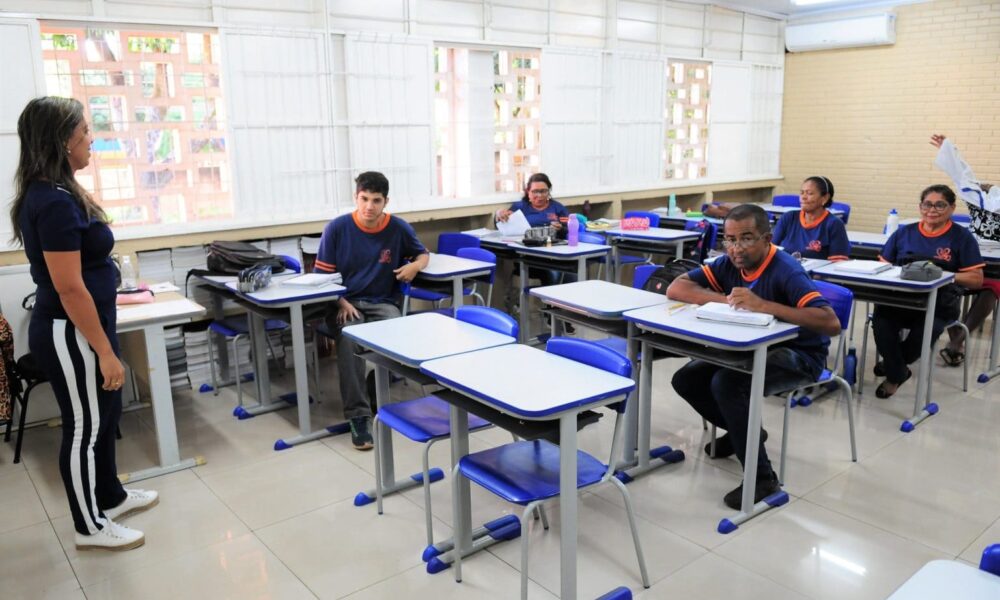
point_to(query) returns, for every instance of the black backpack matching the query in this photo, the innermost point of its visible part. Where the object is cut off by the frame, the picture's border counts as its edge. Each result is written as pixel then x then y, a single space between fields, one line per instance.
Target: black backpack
pixel 230 258
pixel 662 277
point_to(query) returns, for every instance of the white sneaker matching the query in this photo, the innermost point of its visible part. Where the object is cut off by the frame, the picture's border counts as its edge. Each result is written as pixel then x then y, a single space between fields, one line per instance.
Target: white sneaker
pixel 135 501
pixel 113 537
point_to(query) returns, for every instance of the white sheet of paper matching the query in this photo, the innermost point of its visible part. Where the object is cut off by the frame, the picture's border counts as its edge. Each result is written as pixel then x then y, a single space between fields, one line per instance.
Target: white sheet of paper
pixel 515 226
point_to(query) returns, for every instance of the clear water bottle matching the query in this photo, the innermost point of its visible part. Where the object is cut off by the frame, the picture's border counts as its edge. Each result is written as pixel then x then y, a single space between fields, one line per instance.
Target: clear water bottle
pixel 129 281
pixel 672 205
pixel 573 230
pixel 891 222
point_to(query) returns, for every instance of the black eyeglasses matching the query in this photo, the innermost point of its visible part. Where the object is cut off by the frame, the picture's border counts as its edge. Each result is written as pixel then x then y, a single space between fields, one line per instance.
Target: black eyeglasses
pixel 744 242
pixel 938 206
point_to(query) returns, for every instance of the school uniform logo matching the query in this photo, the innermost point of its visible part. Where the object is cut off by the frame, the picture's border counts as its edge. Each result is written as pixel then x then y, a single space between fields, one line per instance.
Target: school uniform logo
pixel 552 216
pixel 943 254
pixel 814 246
pixel 385 257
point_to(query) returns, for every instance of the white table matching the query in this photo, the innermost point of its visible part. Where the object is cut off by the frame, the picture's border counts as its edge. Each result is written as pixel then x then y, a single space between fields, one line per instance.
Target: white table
pixel 407 342
pixel 444 267
pixel 600 305
pixel 580 387
pixel 681 332
pixel 942 579
pixel 169 309
pixel 655 240
pixel 867 239
pixel 888 289
pixel 291 298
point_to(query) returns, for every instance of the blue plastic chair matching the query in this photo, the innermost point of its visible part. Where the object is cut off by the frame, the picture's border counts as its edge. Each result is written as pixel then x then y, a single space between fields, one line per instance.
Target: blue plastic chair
pixel 961 219
pixel 706 242
pixel 844 207
pixel 483 255
pixel 786 200
pixel 425 420
pixel 527 472
pixel 990 562
pixel 448 243
pixel 842 301
pixel 654 219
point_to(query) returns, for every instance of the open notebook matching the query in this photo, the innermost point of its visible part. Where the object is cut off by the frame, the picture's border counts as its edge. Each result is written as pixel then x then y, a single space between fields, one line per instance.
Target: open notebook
pixel 723 313
pixel 862 267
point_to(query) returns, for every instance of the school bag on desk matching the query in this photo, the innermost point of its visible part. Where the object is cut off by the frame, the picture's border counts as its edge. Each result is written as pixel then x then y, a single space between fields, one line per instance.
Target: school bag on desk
pixel 229 258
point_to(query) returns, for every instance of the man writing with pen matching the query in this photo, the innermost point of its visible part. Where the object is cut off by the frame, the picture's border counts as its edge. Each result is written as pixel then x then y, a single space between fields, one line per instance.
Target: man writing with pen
pixel 756 276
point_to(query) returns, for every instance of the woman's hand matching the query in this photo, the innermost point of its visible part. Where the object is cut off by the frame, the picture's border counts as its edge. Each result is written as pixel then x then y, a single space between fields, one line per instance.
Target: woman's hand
pixel 112 371
pixel 937 139
pixel 503 214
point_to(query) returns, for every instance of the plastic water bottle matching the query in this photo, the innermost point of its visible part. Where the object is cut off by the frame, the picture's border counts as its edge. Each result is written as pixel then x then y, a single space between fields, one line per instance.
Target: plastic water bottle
pixel 573 230
pixel 128 274
pixel 672 205
pixel 891 222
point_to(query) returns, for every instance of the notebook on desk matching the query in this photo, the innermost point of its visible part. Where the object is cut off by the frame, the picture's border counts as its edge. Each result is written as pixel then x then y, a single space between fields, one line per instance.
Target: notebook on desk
pixel 314 279
pixel 723 313
pixel 862 267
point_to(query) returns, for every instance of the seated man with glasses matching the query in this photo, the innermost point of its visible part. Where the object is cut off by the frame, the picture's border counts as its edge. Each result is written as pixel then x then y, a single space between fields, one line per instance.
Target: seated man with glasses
pixel 936 238
pixel 754 276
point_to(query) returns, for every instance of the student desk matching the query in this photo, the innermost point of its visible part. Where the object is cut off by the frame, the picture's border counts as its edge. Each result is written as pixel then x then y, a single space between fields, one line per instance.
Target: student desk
pixel 654 240
pixel 776 211
pixel 400 345
pixel 600 305
pixel 570 388
pixel 742 348
pixel 150 319
pixel 866 245
pixel 949 579
pixel 888 289
pixel 443 268
pixel 279 299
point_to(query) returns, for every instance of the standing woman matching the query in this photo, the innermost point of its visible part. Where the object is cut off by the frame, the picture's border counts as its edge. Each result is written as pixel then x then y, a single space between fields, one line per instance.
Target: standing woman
pixel 67 240
pixel 812 231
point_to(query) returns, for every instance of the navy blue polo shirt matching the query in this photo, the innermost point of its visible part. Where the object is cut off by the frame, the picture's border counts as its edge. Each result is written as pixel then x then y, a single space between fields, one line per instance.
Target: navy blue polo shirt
pixel 538 218
pixel 825 238
pixel 780 278
pixel 52 220
pixel 952 247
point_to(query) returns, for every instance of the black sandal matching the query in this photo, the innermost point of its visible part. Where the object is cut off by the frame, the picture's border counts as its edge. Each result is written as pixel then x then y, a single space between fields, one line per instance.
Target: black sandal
pixel 880 390
pixel 952 358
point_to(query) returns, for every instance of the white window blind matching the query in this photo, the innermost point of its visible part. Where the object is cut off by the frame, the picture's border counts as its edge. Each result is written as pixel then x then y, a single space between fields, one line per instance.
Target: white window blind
pixel 637 124
pixel 766 85
pixel 571 119
pixel 389 93
pixel 279 104
pixel 728 131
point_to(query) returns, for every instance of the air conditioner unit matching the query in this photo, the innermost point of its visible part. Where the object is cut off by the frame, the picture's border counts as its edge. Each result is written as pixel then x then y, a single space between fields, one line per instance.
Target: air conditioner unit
pixel 852 32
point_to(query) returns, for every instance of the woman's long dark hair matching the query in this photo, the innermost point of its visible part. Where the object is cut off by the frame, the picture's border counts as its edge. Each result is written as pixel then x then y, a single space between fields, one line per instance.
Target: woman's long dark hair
pixel 44 128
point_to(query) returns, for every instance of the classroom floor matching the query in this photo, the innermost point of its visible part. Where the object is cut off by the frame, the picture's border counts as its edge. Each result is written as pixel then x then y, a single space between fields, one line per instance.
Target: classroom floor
pixel 257 523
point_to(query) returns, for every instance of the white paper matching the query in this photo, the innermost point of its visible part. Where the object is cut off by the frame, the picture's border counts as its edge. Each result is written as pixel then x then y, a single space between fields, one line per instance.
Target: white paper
pixel 722 312
pixel 479 233
pixel 866 267
pixel 515 226
pixel 162 287
pixel 314 279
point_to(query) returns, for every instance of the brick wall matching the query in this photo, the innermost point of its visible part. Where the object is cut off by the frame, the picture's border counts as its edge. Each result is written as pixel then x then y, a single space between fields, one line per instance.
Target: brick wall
pixel 863 117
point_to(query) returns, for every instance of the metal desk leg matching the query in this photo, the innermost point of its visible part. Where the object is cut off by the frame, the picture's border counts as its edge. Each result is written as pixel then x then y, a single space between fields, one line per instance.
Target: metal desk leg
pixel 616 253
pixel 679 249
pixel 581 268
pixel 994 369
pixel 750 510
pixel 922 406
pixel 568 502
pixel 221 348
pixel 523 303
pixel 262 374
pixel 163 411
pixel 457 298
pixel 632 406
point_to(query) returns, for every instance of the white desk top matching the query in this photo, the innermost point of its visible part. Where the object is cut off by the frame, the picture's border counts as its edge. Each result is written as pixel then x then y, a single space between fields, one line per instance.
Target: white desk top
pixel 865 238
pixel 597 297
pixel 949 579
pixel 771 208
pixel 283 295
pixel 886 279
pixel 446 266
pixel 527 382
pixel 683 323
pixel 136 316
pixel 414 339
pixel 654 233
pixel 562 252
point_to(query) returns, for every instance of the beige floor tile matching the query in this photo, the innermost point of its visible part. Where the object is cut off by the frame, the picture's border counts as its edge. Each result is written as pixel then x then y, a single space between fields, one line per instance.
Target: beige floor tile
pixel 823 554
pixel 33 564
pixel 287 484
pixel 340 549
pixel 239 568
pixel 606 556
pixel 484 577
pixel 188 517
pixel 19 503
pixel 711 576
pixel 234 443
pixel 974 552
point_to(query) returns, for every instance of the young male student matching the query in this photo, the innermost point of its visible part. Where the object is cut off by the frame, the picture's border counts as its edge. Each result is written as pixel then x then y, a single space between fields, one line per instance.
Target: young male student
pixel 755 276
pixel 370 249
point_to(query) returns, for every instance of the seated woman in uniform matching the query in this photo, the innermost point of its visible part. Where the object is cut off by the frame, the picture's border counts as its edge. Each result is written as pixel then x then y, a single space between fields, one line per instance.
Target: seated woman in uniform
pixel 540 209
pixel 811 231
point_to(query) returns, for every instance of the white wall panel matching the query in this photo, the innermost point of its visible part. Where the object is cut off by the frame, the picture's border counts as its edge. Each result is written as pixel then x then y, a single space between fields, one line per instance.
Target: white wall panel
pixel 729 130
pixel 571 118
pixel 637 125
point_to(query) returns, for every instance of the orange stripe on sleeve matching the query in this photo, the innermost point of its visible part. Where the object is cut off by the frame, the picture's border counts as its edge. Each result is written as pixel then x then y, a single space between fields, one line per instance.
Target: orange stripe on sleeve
pixel 973 268
pixel 711 278
pixel 807 299
pixel 325 266
pixel 836 258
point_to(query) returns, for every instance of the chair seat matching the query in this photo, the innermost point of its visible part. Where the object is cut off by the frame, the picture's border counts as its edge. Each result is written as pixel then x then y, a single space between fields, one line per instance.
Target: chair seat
pixel 423 419
pixel 526 471
pixel 618 344
pixel 27 368
pixel 628 259
pixel 432 296
pixel 240 325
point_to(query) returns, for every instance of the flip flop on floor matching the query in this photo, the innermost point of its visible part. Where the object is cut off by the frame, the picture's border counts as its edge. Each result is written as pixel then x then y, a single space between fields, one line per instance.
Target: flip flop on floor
pixel 880 390
pixel 952 358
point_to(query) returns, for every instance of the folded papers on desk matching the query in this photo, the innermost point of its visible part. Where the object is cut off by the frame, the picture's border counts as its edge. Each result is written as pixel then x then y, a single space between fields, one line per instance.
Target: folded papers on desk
pixel 314 279
pixel 723 313
pixel 862 267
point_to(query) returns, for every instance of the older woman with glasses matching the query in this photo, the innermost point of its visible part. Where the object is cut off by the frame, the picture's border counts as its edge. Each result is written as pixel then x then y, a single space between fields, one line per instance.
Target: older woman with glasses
pixel 936 238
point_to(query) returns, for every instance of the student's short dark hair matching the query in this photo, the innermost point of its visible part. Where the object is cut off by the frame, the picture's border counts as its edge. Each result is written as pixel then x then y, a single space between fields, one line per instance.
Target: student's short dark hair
pixel 743 212
pixel 949 195
pixel 825 186
pixel 372 181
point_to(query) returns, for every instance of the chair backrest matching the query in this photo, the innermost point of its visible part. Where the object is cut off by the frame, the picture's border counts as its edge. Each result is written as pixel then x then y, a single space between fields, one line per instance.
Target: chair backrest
pixel 480 254
pixel 990 562
pixel 654 219
pixel 489 318
pixel 844 207
pixel 961 219
pixel 597 356
pixel 588 237
pixel 291 263
pixel 707 240
pixel 841 300
pixel 786 200
pixel 641 275
pixel 449 243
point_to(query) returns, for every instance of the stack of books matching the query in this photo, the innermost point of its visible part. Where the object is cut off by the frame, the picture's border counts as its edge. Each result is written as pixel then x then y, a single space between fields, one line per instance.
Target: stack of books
pixel 723 313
